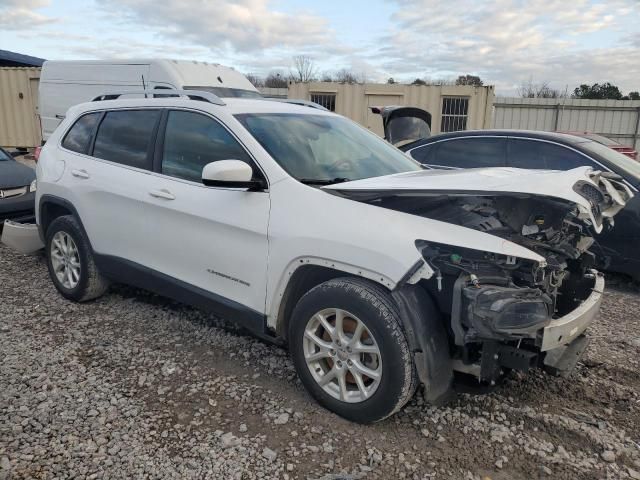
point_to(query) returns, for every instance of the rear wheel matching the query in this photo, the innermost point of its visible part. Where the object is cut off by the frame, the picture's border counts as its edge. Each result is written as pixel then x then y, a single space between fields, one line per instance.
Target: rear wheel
pixel 70 261
pixel 350 351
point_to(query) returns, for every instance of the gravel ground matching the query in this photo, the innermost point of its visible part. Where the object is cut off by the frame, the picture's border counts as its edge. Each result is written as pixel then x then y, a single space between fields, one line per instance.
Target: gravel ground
pixel 134 385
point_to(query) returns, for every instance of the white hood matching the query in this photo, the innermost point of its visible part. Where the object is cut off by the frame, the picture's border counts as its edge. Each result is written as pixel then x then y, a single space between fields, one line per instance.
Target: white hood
pixel 564 185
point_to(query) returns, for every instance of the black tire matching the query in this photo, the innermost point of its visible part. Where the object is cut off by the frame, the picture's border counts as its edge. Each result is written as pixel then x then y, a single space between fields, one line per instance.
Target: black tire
pixel 91 283
pixel 373 305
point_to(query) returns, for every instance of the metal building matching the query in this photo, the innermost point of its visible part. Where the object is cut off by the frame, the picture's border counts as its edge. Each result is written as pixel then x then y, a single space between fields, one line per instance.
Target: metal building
pixel 19 123
pixel 615 119
pixel 452 107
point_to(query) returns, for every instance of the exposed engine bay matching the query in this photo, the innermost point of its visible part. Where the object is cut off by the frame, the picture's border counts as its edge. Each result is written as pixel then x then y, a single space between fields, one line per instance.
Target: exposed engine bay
pixel 497 304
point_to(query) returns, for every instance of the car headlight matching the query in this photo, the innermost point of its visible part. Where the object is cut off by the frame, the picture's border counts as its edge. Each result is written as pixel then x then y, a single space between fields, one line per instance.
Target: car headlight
pixel 32 187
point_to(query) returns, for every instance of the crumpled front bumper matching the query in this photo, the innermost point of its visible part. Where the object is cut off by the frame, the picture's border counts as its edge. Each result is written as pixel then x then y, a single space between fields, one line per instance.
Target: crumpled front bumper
pixel 22 237
pixel 566 329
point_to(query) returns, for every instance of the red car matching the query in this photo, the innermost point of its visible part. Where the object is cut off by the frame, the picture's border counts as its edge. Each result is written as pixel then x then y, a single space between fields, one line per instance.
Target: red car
pixel 618 147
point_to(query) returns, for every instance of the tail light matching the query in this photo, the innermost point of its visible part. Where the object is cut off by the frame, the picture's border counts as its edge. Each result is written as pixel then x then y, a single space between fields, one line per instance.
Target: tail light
pixel 36 153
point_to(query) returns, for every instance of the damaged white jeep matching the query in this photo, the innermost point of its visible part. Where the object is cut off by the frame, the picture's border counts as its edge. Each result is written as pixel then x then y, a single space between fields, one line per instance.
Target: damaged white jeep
pixel 314 233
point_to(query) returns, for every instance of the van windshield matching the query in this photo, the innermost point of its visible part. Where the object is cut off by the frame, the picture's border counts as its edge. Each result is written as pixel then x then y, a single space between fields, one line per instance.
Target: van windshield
pixel 224 92
pixel 325 149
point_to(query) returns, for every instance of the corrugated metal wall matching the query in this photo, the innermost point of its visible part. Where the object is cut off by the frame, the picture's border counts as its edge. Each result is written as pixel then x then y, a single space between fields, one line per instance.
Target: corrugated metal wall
pixel 616 119
pixel 19 125
pixel 273 92
pixel 354 100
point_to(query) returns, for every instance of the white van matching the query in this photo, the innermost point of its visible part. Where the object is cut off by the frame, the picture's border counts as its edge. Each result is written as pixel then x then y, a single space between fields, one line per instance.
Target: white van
pixel 67 83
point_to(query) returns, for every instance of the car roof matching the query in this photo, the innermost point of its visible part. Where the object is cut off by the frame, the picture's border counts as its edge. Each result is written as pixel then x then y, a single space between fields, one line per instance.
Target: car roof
pixel 231 105
pixel 554 136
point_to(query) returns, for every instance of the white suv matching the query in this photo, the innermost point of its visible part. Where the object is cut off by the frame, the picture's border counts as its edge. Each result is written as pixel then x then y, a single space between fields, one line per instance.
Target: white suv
pixel 312 232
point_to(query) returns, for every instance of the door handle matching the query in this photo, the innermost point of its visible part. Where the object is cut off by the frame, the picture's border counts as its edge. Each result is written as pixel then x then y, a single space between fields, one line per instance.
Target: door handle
pixel 80 173
pixel 164 193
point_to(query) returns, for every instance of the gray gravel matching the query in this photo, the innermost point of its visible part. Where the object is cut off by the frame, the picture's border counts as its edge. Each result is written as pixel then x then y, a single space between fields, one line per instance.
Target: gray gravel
pixel 134 385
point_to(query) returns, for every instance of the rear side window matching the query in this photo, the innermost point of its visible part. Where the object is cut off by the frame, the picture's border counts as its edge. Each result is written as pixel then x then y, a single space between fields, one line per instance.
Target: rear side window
pixel 78 138
pixel 535 154
pixel 125 137
pixel 473 152
pixel 424 154
pixel 192 140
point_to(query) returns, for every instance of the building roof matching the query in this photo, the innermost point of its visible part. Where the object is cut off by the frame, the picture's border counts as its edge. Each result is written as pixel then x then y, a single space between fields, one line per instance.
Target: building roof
pixel 13 59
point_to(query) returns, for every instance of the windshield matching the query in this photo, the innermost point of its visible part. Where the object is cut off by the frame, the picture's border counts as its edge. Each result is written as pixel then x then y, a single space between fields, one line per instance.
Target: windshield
pixel 224 92
pixel 322 148
pixel 403 130
pixel 622 162
pixel 4 156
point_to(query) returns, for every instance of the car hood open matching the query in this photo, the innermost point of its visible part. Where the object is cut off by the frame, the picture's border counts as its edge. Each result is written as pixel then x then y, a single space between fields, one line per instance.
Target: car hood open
pixel 598 205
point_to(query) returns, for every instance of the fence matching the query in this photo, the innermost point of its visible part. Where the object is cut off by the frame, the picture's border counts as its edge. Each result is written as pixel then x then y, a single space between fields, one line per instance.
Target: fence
pixel 615 119
pixel 19 124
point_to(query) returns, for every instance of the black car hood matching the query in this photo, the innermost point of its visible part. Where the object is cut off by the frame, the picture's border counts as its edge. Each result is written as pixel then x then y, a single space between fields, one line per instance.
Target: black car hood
pixel 14 174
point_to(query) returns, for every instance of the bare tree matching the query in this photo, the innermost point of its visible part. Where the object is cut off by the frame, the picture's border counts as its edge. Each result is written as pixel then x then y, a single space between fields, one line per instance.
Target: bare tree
pixel 275 80
pixel 255 80
pixel 326 77
pixel 304 69
pixel 346 76
pixel 529 89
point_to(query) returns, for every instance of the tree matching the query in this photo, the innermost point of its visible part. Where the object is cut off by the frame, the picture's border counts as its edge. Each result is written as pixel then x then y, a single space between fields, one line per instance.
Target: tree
pixel 472 80
pixel 530 89
pixel 345 76
pixel 255 80
pixel 304 69
pixel 418 81
pixel 634 95
pixel 275 80
pixel 326 77
pixel 391 81
pixel 598 92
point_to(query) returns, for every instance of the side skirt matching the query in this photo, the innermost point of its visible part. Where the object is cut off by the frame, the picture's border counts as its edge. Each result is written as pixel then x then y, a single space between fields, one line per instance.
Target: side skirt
pixel 131 273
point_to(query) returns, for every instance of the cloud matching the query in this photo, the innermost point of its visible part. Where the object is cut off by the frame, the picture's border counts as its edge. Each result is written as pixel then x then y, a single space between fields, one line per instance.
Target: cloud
pixel 237 26
pixel 20 15
pixel 508 41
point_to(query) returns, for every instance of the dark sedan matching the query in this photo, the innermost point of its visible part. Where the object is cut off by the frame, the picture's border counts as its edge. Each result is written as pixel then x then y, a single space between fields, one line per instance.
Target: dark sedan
pixel 618 247
pixel 17 190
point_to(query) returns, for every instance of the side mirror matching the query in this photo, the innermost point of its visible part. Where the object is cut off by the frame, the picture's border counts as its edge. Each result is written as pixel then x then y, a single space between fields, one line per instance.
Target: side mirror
pixel 230 174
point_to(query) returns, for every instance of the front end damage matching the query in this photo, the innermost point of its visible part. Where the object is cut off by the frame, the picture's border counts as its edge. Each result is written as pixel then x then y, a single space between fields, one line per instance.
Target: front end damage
pixel 504 312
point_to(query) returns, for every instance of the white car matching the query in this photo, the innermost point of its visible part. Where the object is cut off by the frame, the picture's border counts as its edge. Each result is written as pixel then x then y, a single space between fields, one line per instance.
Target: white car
pixel 311 231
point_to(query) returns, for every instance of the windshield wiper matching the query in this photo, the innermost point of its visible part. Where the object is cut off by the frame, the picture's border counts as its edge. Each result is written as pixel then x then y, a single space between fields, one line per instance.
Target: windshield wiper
pixel 320 181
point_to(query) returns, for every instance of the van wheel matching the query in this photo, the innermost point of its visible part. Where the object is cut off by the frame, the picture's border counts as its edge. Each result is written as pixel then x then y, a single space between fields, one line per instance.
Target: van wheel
pixel 70 261
pixel 350 351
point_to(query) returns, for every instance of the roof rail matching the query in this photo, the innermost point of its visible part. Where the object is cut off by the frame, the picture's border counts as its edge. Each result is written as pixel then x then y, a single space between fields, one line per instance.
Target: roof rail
pixel 295 101
pixel 163 92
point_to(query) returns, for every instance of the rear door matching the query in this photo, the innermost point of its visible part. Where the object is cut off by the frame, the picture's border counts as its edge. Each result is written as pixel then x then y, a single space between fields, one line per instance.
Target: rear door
pixel 213 238
pixel 109 182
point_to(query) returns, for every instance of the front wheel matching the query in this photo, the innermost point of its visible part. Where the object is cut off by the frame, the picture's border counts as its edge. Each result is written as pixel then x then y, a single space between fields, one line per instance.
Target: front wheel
pixel 350 351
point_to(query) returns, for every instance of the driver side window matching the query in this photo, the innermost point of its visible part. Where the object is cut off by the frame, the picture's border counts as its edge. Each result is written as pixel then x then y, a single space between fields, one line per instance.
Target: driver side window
pixel 192 140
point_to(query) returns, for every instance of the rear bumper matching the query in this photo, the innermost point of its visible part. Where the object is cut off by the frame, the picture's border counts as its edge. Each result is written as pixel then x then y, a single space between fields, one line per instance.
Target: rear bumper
pixel 564 330
pixel 21 237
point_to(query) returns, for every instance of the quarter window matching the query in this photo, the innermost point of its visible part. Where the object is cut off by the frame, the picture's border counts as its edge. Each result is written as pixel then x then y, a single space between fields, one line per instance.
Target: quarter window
pixel 473 152
pixel 125 137
pixel 543 155
pixel 78 138
pixel 193 140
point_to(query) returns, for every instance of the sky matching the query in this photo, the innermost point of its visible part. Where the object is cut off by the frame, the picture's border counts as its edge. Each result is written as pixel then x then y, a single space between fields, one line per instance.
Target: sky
pixel 506 42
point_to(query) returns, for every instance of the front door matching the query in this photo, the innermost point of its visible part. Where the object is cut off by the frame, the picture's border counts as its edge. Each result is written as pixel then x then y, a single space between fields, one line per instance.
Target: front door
pixel 211 238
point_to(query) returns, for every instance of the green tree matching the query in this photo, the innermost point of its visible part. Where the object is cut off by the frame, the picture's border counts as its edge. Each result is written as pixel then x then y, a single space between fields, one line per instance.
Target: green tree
pixel 598 92
pixel 418 81
pixel 634 95
pixel 473 80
